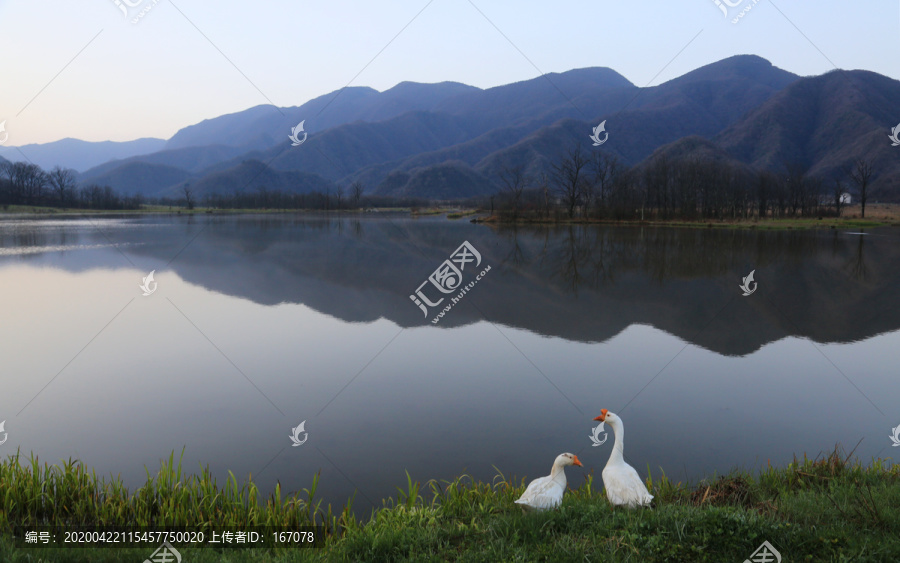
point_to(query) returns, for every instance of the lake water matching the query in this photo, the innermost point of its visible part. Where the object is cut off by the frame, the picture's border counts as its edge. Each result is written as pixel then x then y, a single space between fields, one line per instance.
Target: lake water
pixel 258 323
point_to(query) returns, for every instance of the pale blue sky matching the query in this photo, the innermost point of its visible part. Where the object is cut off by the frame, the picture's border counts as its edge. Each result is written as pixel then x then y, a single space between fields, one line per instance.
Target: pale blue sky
pixel 151 78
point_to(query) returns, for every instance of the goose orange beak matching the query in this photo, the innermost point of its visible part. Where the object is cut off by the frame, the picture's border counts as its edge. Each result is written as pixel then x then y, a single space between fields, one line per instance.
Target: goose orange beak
pixel 602 416
pixel 577 461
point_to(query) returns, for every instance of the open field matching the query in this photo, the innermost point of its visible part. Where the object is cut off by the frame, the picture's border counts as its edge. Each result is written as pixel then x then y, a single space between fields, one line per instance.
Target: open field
pixel 823 509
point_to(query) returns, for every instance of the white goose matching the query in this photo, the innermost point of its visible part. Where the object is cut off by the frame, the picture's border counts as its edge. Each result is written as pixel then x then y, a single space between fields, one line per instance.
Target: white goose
pixel 622 482
pixel 547 492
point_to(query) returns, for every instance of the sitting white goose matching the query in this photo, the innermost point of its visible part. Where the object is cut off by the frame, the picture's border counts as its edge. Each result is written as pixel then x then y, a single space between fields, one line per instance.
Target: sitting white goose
pixel 547 492
pixel 622 482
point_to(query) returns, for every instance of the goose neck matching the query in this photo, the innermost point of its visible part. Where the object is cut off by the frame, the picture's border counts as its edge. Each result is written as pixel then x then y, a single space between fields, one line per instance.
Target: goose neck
pixel 558 473
pixel 616 456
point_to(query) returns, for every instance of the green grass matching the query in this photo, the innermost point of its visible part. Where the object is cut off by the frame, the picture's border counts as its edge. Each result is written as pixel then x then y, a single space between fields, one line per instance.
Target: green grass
pixel 428 211
pixel 824 509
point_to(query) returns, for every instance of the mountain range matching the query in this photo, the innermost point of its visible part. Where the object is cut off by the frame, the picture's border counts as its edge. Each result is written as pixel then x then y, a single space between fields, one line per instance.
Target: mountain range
pixel 450 140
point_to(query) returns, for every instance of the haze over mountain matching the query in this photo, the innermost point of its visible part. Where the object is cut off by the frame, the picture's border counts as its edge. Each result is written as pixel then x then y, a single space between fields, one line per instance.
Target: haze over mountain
pixel 449 140
pixel 80 155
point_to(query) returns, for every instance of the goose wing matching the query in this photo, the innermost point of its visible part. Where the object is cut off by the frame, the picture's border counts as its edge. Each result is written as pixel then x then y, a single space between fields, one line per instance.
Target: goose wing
pixel 542 493
pixel 624 486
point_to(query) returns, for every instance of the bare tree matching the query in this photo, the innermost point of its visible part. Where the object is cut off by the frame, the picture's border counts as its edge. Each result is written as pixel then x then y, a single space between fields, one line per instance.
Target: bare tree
pixel 861 173
pixel 765 185
pixel 263 196
pixel 62 182
pixel 514 183
pixel 606 170
pixel 34 180
pixel 26 182
pixel 8 170
pixel 569 177
pixel 838 193
pixel 657 179
pixel 188 196
pixel 795 184
pixel 356 189
pixel 544 186
pixel 340 196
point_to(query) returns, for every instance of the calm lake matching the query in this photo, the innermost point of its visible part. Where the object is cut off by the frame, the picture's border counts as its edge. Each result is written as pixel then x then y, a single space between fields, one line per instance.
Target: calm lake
pixel 258 323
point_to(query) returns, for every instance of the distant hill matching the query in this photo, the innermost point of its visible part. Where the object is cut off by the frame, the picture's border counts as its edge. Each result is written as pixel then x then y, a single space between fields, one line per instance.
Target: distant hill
pixel 639 121
pixel 264 126
pixel 693 147
pixel 191 159
pixel 233 129
pixel 702 102
pixel 343 150
pixel 447 180
pixel 822 123
pixel 81 155
pixel 212 144
pixel 249 176
pixel 140 178
pixel 552 96
pixel 340 151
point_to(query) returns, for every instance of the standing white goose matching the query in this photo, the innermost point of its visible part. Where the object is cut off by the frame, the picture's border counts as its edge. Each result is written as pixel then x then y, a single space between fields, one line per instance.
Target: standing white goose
pixel 547 492
pixel 622 482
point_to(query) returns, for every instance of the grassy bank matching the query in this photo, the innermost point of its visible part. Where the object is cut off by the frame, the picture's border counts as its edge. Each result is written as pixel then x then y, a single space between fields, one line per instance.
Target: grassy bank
pixel 824 509
pixel 877 215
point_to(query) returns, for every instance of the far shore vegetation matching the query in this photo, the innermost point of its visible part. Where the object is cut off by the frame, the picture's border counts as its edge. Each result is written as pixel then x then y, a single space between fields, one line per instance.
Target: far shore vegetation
pixel 581 188
pixel 830 508
pixel 585 187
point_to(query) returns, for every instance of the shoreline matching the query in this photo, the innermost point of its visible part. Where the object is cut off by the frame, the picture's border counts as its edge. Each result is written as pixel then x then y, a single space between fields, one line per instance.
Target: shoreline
pixel 881 215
